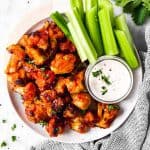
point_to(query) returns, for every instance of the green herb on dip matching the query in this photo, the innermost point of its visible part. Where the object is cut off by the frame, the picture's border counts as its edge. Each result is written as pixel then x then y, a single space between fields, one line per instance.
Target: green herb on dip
pixel 13 127
pixel 3 144
pixel 13 138
pixel 97 73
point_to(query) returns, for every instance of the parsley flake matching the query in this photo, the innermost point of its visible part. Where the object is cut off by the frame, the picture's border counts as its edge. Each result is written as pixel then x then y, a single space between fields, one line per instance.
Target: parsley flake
pixel 113 107
pixel 4 121
pixel 43 123
pixel 54 112
pixel 103 87
pixel 13 138
pixel 104 91
pixel 13 127
pixel 42 69
pixel 97 73
pixel 105 79
pixel 3 144
pixel 31 61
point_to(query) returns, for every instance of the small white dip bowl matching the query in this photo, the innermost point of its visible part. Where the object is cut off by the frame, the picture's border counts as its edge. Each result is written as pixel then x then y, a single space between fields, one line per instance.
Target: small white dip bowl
pixel 109 80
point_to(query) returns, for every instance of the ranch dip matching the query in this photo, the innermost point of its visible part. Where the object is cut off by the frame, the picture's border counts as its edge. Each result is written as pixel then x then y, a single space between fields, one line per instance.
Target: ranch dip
pixel 110 80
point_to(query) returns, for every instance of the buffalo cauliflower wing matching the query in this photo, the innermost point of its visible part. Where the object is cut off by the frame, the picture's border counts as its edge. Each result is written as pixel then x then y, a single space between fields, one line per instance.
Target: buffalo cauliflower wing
pixel 63 63
pixel 75 84
pixel 81 100
pixel 107 113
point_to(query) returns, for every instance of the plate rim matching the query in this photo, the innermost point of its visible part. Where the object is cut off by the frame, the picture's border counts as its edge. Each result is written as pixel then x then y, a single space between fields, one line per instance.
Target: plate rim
pixel 11 36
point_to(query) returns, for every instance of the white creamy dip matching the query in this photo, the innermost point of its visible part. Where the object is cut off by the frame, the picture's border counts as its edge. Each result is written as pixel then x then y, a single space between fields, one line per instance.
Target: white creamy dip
pixel 110 80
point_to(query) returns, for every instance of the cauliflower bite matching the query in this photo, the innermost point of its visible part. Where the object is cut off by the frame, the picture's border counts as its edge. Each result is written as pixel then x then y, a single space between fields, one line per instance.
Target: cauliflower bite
pixel 29 92
pixel 37 110
pixel 48 95
pixel 39 39
pixel 13 65
pixel 55 127
pixel 63 63
pixel 16 59
pixel 24 41
pixel 67 46
pixel 43 79
pixel 90 119
pixel 60 85
pixel 70 111
pixel 53 44
pixel 58 104
pixel 100 108
pixel 75 85
pixel 110 112
pixel 17 81
pixel 36 39
pixel 35 55
pixel 17 50
pixel 55 32
pixel 43 42
pixel 78 124
pixel 81 100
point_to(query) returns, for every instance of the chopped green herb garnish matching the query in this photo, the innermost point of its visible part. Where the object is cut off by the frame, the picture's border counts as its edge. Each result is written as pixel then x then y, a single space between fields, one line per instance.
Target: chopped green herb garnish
pixel 56 130
pixel 83 112
pixel 31 61
pixel 104 91
pixel 13 138
pixel 3 144
pixel 97 73
pixel 105 79
pixel 13 127
pixel 42 69
pixel 46 75
pixel 43 123
pixel 54 112
pixel 103 87
pixel 4 121
pixel 139 9
pixel 113 107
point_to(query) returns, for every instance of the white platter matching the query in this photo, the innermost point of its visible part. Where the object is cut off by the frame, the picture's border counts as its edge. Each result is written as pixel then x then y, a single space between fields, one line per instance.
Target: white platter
pixel 127 106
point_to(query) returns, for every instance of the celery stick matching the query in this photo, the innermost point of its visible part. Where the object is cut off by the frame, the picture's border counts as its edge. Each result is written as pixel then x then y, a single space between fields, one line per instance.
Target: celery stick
pixel 92 24
pixel 107 4
pixel 89 4
pixel 84 5
pixel 75 19
pixel 60 17
pixel 120 23
pixel 77 42
pixel 79 5
pixel 109 41
pixel 126 49
pixel 61 23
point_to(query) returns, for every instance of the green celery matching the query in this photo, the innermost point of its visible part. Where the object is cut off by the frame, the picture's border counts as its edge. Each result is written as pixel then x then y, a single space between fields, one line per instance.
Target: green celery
pixel 92 24
pixel 77 42
pixel 109 42
pixel 89 4
pixel 126 49
pixel 61 22
pixel 61 17
pixel 79 5
pixel 108 5
pixel 76 20
pixel 121 24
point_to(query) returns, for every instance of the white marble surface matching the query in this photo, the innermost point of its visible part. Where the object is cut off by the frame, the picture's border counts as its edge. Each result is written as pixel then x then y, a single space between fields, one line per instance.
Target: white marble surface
pixel 11 11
